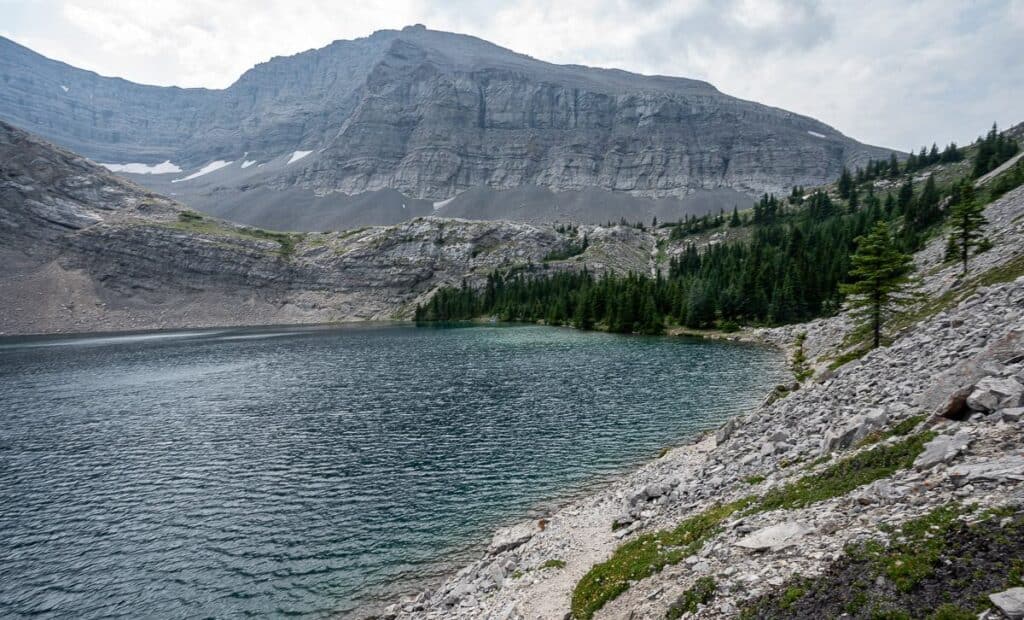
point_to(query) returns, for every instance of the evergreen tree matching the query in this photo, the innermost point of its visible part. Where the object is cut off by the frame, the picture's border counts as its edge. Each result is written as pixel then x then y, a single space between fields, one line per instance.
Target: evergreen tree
pixel 967 217
pixel 734 221
pixel 845 184
pixel 894 166
pixel 879 280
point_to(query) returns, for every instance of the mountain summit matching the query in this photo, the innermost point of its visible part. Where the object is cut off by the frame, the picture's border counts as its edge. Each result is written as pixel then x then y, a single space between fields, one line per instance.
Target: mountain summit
pixel 416 117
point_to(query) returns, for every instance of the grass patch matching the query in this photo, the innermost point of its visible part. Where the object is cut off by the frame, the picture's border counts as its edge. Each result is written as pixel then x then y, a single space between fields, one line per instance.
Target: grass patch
pixel 570 250
pixel 647 555
pixel 699 594
pixel 899 430
pixel 553 564
pixel 846 475
pixel 937 566
pixel 757 479
pixel 650 553
pixel 918 546
pixel 1007 272
pixel 193 222
pixel 848 356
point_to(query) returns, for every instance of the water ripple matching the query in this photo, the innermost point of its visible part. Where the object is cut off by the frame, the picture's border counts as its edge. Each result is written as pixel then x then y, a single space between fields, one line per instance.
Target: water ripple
pixel 315 472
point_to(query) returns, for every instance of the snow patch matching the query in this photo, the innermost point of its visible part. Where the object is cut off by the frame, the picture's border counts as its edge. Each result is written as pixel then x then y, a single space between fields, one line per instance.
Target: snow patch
pixel 297 155
pixel 165 168
pixel 66 89
pixel 816 134
pixel 207 169
pixel 443 203
pixel 248 162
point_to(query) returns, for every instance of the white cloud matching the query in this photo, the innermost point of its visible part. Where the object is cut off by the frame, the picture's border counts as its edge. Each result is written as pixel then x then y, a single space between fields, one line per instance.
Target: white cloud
pixel 893 73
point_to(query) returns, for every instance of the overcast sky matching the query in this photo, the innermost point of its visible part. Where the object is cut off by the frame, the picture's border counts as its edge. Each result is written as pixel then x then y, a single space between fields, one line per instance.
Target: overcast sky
pixel 896 73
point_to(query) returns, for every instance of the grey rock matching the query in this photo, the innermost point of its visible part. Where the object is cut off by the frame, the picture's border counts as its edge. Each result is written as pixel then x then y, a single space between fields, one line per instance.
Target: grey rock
pixel 775 537
pixel 1010 602
pixel 1012 414
pixel 992 393
pixel 511 537
pixel 1009 467
pixel 942 449
pixel 725 431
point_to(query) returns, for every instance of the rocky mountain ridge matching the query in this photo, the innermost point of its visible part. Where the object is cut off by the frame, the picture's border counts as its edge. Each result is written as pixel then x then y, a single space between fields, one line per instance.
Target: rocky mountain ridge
pixel 88 251
pixel 429 115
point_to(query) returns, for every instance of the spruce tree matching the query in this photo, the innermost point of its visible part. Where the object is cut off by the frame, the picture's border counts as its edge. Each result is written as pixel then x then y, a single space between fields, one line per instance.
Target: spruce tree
pixel 735 220
pixel 880 274
pixel 966 218
pixel 845 184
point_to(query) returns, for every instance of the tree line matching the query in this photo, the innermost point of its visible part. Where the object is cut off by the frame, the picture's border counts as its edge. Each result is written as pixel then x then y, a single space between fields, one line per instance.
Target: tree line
pixel 805 256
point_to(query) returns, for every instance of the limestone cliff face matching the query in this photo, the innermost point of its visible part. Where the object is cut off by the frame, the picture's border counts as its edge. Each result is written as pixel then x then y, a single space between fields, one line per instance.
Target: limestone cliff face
pixel 86 251
pixel 431 114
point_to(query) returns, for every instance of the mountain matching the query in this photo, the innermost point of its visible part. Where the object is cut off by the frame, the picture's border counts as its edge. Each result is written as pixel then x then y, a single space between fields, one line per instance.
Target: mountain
pixel 421 117
pixel 85 250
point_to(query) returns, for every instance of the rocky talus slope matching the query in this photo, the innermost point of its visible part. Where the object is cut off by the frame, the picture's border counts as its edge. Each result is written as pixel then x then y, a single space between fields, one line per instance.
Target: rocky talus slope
pixel 894 484
pixel 430 115
pixel 86 251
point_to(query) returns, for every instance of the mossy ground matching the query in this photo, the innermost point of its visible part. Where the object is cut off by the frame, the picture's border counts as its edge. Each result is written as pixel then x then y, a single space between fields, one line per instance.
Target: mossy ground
pixel 650 553
pixel 646 555
pixel 193 222
pixel 691 600
pixel 935 567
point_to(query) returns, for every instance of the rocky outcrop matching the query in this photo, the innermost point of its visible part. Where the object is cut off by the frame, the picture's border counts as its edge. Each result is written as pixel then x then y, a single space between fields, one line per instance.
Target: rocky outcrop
pixel 86 251
pixel 431 115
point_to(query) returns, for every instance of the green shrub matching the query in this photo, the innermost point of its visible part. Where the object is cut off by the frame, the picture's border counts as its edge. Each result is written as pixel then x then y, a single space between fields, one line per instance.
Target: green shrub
pixel 645 556
pixel 699 594
pixel 846 475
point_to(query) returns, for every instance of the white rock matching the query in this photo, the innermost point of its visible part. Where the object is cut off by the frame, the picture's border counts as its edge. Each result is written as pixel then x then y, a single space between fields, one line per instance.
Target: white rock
pixel 993 393
pixel 775 537
pixel 511 537
pixel 1010 602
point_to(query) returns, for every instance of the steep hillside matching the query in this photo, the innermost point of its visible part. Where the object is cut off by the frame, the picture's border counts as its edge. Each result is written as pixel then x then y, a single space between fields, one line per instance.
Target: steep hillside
pixel 86 251
pixel 430 115
pixel 890 487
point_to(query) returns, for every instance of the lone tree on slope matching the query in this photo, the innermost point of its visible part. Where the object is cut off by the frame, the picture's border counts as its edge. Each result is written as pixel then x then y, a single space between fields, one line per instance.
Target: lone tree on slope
pixel 967 219
pixel 880 275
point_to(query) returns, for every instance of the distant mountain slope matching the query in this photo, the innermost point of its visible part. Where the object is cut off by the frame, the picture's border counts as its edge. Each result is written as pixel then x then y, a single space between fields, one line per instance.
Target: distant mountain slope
pixel 430 115
pixel 84 250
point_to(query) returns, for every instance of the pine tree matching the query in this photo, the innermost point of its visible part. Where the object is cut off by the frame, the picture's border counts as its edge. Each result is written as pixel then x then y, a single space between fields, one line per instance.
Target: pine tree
pixel 894 166
pixel 734 221
pixel 845 184
pixel 967 217
pixel 880 277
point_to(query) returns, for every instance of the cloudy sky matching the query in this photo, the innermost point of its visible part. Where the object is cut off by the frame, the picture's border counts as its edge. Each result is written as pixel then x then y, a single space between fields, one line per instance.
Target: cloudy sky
pixel 895 73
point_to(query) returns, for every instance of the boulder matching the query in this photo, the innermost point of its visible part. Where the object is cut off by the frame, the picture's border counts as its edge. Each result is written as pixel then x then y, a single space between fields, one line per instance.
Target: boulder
pixel 511 537
pixel 1012 414
pixel 955 405
pixel 723 433
pixel 1002 468
pixel 1010 602
pixel 774 537
pixel 859 427
pixel 992 393
pixel 942 449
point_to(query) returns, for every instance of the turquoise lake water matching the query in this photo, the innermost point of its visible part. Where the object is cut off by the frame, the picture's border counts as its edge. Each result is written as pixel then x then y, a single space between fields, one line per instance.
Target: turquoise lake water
pixel 317 472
